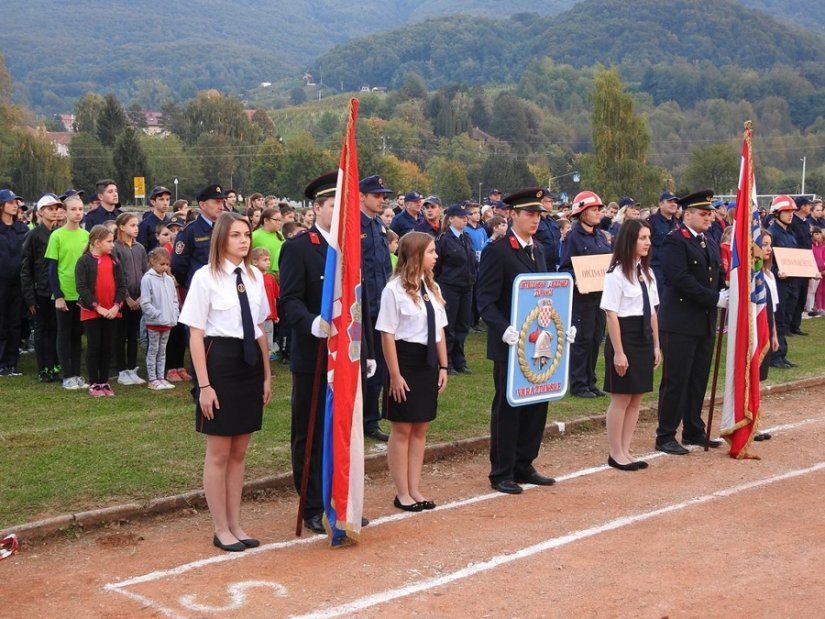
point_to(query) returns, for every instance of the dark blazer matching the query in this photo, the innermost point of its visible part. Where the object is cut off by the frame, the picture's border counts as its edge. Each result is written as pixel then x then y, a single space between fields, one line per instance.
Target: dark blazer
pixel 34 269
pixel 301 266
pixel 501 261
pixel 85 273
pixel 191 250
pixel 693 277
pixel 456 265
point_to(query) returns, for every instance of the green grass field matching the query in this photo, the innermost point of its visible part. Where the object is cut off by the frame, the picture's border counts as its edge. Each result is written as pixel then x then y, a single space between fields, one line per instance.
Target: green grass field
pixel 63 451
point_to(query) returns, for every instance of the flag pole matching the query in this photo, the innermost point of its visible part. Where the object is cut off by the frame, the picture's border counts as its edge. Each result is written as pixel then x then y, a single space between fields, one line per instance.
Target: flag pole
pixel 723 316
pixel 313 407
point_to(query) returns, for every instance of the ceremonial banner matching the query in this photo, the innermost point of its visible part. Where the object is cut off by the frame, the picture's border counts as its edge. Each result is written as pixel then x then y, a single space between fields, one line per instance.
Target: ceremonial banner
pixel 796 262
pixel 343 462
pixel 748 336
pixel 541 311
pixel 590 272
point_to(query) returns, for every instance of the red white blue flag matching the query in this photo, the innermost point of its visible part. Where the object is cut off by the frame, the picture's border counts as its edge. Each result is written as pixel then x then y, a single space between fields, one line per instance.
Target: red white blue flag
pixel 343 460
pixel 748 336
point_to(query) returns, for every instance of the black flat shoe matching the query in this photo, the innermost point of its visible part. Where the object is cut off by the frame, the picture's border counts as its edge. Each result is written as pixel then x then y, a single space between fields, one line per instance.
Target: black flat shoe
pixel 762 436
pixel 633 466
pixel 236 547
pixel 426 504
pixel 507 486
pixel 641 464
pixel 315 524
pixel 700 442
pixel 597 392
pixel 584 394
pixel 412 507
pixel 250 542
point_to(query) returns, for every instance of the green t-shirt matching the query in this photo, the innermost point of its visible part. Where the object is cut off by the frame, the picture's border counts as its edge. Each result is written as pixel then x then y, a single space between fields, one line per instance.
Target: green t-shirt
pixel 393 261
pixel 66 246
pixel 269 240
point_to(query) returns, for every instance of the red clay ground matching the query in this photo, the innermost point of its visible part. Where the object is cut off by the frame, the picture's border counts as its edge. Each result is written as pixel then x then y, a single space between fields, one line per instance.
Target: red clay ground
pixel 700 535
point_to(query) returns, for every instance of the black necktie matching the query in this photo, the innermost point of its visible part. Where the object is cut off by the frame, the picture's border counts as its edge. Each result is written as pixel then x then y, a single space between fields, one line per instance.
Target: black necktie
pixel 647 331
pixel 529 250
pixel 251 351
pixel 432 357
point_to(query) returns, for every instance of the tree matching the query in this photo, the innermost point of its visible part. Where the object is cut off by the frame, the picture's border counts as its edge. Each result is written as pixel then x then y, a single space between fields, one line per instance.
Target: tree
pixel 620 141
pixel 449 179
pixel 129 162
pixel 715 167
pixel 507 173
pixel 302 161
pixel 36 167
pixel 86 112
pixel 266 166
pixel 216 155
pixel 264 122
pixel 414 87
pixel 166 160
pixel 510 122
pixel 297 96
pixel 110 121
pixel 90 161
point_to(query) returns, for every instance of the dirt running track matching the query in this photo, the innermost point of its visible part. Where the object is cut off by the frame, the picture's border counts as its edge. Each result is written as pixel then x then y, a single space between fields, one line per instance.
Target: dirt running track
pixel 694 536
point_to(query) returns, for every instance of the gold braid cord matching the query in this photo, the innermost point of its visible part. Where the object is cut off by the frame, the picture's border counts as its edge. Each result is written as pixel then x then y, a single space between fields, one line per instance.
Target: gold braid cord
pixel 524 364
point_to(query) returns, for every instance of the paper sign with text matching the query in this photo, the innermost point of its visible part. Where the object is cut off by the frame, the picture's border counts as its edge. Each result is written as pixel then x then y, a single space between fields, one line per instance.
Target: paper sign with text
pixel 590 272
pixel 796 262
pixel 541 311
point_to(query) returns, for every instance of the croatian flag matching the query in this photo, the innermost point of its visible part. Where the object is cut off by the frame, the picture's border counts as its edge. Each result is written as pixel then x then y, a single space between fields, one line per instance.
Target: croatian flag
pixel 748 337
pixel 343 461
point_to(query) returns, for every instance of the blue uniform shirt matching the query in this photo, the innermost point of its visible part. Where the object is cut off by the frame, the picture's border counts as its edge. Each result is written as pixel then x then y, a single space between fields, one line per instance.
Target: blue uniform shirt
pixel 376 267
pixel 661 228
pixel 801 229
pixel 403 222
pixel 99 216
pixel 781 236
pixel 191 250
pixel 147 230
pixel 549 236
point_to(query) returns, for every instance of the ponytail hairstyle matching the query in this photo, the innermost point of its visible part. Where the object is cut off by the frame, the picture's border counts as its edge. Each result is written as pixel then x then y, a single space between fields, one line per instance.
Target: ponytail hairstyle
pixel 409 269
pixel 122 220
pixel 97 233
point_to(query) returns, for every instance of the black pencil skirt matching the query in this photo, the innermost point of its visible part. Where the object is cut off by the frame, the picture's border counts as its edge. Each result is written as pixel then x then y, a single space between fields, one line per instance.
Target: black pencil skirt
pixel 238 386
pixel 639 352
pixel 422 398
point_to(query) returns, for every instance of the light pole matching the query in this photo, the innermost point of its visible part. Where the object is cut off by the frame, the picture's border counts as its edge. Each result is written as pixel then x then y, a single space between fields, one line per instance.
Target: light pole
pixel 176 189
pixel 479 193
pixel 575 174
pixel 804 161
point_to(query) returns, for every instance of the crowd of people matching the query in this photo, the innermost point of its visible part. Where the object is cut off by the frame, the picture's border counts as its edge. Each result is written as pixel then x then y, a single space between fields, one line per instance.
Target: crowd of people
pixel 242 288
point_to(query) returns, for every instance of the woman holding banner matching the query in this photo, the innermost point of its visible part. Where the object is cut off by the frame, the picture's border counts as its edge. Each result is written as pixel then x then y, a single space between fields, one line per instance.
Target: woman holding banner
pixel 632 350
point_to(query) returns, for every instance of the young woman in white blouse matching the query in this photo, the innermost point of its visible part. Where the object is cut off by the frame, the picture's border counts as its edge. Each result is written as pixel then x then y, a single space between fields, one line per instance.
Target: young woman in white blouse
pixel 225 309
pixel 412 320
pixel 632 350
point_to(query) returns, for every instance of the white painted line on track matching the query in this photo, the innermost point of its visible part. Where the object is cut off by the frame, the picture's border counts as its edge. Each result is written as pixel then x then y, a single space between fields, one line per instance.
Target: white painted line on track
pixel 120 587
pixel 386 596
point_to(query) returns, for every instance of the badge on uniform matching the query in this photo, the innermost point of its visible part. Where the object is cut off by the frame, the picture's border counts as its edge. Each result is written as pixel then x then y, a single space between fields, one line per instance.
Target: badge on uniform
pixel 514 242
pixel 241 288
pixel 542 309
pixel 313 238
pixel 179 247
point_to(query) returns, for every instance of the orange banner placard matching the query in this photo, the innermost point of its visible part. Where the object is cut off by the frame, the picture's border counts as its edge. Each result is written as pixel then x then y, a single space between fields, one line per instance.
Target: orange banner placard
pixel 589 271
pixel 796 262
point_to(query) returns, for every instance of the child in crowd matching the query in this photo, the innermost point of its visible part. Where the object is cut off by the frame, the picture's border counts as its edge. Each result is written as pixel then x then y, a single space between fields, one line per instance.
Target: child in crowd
pixel 497 226
pixel 818 247
pixel 101 286
pixel 772 309
pixel 159 304
pixel 66 245
pixel 262 259
pixel 132 258
pixel 291 229
pixel 392 241
pixel 164 236
pixel 176 347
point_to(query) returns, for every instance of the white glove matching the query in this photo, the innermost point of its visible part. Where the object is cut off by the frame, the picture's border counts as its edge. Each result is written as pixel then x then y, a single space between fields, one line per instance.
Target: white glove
pixel 317 330
pixel 571 334
pixel 510 336
pixel 724 298
pixel 372 366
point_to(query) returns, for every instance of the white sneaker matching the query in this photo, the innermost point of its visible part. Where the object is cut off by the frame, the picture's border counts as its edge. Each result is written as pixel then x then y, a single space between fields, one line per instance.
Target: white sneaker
pixel 155 385
pixel 137 379
pixel 166 384
pixel 125 377
pixel 70 383
pixel 81 382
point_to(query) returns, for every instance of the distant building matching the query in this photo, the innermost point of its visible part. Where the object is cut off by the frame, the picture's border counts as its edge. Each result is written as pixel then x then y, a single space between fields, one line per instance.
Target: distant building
pixel 60 140
pixel 67 120
pixel 265 84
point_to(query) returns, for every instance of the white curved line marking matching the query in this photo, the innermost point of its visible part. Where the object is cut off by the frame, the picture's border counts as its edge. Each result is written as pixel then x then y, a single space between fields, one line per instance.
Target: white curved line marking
pixel 237 594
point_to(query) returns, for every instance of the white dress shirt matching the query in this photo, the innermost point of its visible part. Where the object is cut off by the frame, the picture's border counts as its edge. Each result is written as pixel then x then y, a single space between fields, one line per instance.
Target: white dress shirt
pixel 407 321
pixel 624 296
pixel 212 302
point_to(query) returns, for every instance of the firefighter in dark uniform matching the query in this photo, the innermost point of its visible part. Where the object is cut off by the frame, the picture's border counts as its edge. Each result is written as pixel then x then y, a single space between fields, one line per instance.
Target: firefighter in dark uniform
pixel 694 280
pixel 455 272
pixel 302 264
pixel 376 268
pixel 801 229
pixel 549 233
pixel 515 433
pixel 431 224
pixel 410 216
pixel 787 288
pixel 663 222
pixel 192 243
pixel 585 238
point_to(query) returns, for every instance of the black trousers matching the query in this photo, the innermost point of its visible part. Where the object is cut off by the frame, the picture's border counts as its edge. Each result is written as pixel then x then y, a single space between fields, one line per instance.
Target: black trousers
pixel 685 374
pixel 590 321
pixel 126 345
pixel 374 385
pixel 799 308
pixel 99 334
pixel 45 333
pixel 69 332
pixel 11 315
pixel 176 347
pixel 302 387
pixel 788 291
pixel 459 306
pixel 515 432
